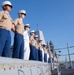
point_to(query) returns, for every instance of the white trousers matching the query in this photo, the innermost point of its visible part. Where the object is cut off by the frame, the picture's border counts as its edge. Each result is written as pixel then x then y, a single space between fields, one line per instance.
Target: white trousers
pixel 42 55
pixel 26 51
pixel 47 57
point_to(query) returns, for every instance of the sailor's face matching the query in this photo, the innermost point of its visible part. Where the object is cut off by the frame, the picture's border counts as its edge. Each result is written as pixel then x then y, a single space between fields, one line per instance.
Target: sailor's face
pixel 8 8
pixel 27 28
pixel 22 16
pixel 44 46
pixel 36 38
pixel 40 41
pixel 32 34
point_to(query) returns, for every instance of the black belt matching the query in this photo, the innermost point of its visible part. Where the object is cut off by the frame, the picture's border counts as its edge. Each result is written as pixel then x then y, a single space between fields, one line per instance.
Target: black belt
pixel 2 27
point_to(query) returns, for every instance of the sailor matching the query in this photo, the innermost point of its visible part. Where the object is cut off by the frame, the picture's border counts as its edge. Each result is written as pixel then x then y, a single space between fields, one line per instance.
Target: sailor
pixel 5 27
pixel 26 42
pixel 37 46
pixel 41 51
pixel 45 52
pixel 33 53
pixel 32 34
pixel 32 45
pixel 18 50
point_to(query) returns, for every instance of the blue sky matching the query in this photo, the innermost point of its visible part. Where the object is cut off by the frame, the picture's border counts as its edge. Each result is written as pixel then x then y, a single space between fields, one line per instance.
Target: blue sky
pixel 55 19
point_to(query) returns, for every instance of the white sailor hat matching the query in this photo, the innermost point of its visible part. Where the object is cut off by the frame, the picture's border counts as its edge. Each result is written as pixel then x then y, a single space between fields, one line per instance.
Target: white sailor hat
pixel 44 44
pixel 41 39
pixel 27 25
pixel 36 36
pixel 22 12
pixel 32 31
pixel 6 3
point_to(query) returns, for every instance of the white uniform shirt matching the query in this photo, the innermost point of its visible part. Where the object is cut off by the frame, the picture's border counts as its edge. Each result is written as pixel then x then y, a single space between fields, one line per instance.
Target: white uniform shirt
pixel 26 46
pixel 26 37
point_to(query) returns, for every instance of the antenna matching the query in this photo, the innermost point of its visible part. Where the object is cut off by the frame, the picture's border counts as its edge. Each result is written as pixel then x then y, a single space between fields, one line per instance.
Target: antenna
pixel 37 27
pixel 38 30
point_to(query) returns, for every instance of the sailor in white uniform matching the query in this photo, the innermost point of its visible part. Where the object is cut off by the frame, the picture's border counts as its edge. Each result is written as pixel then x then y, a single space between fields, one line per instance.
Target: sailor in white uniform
pixel 26 42
pixel 47 56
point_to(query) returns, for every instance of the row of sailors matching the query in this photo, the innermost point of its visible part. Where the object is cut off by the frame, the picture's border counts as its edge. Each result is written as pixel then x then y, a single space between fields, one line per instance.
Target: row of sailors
pixel 37 49
pixel 23 47
pixel 33 48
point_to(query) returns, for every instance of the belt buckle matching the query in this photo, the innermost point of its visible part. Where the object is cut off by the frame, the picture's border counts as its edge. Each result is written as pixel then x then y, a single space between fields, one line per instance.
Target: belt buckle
pixel 3 27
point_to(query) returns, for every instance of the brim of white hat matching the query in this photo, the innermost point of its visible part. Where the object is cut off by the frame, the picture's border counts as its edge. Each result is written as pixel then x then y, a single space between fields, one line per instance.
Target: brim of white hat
pixel 27 26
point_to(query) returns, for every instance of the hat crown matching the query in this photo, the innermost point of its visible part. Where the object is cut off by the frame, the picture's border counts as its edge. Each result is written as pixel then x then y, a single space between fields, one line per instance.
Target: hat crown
pixel 32 31
pixel 22 11
pixel 27 24
pixel 40 39
pixel 6 3
pixel 36 36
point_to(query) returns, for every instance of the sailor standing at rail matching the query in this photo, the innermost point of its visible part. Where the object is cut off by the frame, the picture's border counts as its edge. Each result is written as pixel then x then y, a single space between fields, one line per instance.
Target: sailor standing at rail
pixel 5 28
pixel 33 50
pixel 40 51
pixel 26 42
pixel 37 46
pixel 18 50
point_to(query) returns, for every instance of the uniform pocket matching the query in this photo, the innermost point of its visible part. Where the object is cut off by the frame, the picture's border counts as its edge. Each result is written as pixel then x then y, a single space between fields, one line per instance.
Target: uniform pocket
pixel 5 16
pixel 19 23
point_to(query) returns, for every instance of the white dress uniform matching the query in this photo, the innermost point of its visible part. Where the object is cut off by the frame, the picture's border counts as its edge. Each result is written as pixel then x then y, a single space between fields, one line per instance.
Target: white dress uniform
pixel 42 55
pixel 47 57
pixel 26 46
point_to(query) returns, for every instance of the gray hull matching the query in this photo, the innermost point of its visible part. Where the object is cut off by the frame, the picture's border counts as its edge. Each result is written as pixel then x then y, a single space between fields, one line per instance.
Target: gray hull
pixel 9 66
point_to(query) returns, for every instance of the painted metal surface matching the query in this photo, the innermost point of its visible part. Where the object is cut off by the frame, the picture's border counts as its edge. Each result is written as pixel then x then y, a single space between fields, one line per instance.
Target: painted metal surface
pixel 40 36
pixel 9 66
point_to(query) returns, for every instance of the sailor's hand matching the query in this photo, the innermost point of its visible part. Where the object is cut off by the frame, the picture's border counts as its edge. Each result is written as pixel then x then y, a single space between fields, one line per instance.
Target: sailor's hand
pixel 13 27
